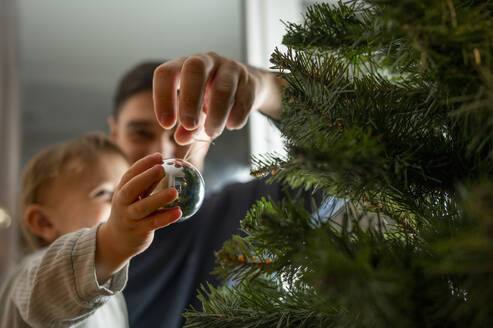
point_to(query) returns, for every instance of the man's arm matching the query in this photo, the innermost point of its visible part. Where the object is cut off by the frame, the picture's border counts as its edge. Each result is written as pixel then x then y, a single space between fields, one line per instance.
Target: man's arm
pixel 215 92
pixel 268 98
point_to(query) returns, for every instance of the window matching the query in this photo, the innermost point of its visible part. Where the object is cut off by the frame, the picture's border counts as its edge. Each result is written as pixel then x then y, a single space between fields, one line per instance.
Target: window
pixel 264 32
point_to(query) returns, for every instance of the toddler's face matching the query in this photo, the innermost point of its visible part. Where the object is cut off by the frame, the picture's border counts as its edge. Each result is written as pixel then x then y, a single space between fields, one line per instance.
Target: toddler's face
pixel 82 198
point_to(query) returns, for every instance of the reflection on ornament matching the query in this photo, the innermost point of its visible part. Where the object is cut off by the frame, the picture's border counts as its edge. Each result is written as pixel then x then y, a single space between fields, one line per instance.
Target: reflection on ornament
pixel 188 181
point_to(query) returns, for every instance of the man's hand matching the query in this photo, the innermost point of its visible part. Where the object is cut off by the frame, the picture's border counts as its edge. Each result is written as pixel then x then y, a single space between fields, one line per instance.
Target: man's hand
pixel 134 218
pixel 215 92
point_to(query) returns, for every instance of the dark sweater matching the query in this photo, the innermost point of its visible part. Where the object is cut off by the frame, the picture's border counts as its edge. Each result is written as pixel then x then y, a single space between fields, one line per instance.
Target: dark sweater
pixel 163 281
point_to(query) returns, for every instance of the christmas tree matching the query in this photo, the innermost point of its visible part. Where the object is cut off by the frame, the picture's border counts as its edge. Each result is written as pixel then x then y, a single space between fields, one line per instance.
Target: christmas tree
pixel 388 108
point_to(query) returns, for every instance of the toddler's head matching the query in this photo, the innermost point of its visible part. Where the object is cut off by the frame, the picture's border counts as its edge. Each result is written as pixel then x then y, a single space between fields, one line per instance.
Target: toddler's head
pixel 69 186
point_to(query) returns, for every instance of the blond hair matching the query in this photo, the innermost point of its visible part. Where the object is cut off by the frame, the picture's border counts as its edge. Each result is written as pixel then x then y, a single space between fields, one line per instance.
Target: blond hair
pixel 48 164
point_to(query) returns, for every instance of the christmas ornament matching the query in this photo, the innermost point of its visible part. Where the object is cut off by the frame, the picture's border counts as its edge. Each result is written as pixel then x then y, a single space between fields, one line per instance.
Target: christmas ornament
pixel 188 181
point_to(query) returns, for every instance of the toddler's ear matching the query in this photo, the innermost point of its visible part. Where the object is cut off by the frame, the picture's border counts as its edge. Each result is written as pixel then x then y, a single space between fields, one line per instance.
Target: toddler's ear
pixel 40 224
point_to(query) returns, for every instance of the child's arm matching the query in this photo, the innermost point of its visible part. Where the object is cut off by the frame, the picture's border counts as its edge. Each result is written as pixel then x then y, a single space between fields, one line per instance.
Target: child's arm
pixel 130 228
pixel 80 271
pixel 57 287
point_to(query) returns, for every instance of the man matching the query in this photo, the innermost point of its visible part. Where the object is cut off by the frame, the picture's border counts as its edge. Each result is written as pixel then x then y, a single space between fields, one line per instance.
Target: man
pixel 215 92
pixel 233 90
pixel 133 124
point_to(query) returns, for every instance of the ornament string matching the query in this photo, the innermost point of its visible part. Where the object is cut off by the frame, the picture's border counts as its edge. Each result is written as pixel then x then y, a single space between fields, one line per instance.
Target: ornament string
pixel 203 141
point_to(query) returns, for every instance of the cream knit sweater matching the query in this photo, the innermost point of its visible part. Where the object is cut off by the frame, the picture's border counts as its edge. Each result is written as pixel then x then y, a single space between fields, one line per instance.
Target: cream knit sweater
pixel 57 287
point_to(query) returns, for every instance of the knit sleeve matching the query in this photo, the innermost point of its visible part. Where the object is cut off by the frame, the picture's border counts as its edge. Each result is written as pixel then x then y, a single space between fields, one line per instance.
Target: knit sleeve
pixel 59 287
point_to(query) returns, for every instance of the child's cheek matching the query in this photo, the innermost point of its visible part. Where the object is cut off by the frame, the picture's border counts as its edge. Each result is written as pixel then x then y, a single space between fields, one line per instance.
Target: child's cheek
pixel 102 214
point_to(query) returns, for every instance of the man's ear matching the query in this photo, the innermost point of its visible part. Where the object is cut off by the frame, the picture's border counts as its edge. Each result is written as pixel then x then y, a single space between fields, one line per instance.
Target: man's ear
pixel 39 223
pixel 113 128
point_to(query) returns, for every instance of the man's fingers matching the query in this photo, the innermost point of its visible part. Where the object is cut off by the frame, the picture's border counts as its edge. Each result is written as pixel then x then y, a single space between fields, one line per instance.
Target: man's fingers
pixel 186 137
pixel 221 83
pixel 195 73
pixel 140 166
pixel 245 96
pixel 161 219
pixel 139 185
pixel 165 86
pixel 152 203
pixel 221 96
pixel 183 136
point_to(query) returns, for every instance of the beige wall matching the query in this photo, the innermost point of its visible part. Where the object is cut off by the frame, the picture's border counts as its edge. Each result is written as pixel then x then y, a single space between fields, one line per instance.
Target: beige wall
pixel 73 53
pixel 9 132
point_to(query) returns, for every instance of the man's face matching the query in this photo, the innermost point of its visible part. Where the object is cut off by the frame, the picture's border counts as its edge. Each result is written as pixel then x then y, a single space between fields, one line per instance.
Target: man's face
pixel 138 133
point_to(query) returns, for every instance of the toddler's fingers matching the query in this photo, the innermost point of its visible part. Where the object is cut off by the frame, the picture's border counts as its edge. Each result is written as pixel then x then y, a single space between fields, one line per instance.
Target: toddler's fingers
pixel 139 184
pixel 148 205
pixel 140 166
pixel 161 219
pixel 149 190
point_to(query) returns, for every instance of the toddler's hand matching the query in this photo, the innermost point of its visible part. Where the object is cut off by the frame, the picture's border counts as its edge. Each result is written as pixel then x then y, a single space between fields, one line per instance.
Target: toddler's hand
pixel 134 217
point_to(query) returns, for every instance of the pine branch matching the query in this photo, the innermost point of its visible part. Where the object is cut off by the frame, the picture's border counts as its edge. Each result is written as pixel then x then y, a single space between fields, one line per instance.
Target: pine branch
pixel 388 106
pixel 252 306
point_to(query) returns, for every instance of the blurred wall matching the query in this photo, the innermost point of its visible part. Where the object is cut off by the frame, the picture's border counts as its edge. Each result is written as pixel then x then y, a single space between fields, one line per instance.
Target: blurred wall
pixel 73 53
pixel 9 134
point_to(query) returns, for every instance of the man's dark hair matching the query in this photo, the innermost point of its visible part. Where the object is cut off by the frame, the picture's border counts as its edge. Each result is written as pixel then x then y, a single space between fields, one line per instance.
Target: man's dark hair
pixel 137 79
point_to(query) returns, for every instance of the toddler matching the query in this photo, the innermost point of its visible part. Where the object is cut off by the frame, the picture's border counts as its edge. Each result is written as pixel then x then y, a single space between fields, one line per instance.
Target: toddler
pixel 85 227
